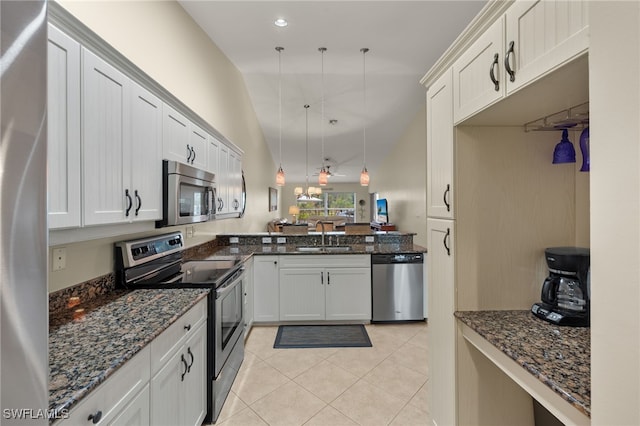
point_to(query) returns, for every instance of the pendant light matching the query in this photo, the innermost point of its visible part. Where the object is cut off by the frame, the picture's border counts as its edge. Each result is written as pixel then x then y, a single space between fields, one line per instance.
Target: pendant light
pixel 310 193
pixel 323 177
pixel 364 175
pixel 280 174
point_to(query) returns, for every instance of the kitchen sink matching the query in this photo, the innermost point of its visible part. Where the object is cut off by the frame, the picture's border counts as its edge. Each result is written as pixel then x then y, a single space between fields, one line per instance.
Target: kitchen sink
pixel 316 249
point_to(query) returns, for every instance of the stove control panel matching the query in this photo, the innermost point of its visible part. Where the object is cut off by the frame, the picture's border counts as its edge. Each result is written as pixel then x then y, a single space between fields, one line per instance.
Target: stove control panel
pixel 143 250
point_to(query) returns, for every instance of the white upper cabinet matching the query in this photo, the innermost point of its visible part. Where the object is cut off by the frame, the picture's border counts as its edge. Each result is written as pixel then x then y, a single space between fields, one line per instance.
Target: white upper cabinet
pixel 63 130
pixel 440 189
pixel 530 40
pixel 223 180
pixel 198 144
pixel 183 141
pixel 542 35
pixel 175 136
pixel 106 93
pixel 478 74
pixel 146 154
pixel 235 181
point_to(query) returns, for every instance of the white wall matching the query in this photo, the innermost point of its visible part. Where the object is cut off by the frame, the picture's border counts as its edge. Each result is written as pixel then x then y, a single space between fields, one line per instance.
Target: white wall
pixel 402 180
pixel 162 39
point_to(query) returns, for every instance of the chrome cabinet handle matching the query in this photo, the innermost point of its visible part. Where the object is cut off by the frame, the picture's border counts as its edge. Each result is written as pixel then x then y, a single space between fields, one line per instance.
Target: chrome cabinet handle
pixel 187 327
pixel 193 151
pixel 328 278
pixel 507 64
pixel 189 151
pixel 321 278
pixel 445 197
pixel 492 76
pixel 444 241
pixel 130 202
pixel 139 200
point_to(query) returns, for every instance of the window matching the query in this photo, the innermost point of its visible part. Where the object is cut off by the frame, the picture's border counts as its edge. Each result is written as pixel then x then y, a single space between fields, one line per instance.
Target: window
pixel 331 204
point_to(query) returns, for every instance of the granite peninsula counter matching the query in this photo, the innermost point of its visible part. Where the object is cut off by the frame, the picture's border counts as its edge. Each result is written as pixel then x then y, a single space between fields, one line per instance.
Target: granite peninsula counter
pixel 90 341
pixel 553 358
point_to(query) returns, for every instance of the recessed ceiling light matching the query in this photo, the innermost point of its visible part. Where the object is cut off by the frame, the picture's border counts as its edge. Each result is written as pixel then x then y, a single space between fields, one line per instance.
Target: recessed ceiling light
pixel 281 22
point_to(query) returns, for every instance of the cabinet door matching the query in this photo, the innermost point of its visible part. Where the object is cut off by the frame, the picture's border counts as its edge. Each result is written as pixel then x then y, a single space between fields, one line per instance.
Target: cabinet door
pixel 442 326
pixel 63 130
pixel 223 180
pixel 146 154
pixel 106 94
pixel 440 188
pixel 165 392
pixel 136 413
pixel 199 143
pixel 214 158
pixel 175 136
pixel 266 290
pixel 302 294
pixel 478 75
pixel 348 294
pixel 194 394
pixel 542 35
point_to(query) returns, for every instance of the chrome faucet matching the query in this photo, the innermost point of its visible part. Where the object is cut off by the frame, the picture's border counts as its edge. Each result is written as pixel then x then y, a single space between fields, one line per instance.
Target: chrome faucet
pixel 323 232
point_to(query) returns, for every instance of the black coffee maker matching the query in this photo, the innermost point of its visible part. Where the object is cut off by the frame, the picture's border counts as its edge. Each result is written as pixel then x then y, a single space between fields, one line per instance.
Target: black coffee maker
pixel 566 291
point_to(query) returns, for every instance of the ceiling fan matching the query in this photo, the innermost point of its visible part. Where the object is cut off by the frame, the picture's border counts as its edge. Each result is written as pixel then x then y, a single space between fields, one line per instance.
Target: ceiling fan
pixel 329 172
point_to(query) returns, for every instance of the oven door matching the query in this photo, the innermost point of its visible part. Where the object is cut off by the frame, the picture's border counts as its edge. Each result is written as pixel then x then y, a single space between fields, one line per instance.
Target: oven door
pixel 229 322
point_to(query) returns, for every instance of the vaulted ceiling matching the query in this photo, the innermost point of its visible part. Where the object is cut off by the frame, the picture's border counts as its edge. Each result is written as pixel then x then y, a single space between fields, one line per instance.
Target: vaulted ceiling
pixel 405 38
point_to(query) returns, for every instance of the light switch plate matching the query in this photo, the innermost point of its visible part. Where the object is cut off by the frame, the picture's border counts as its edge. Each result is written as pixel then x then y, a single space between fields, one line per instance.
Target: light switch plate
pixel 369 239
pixel 281 240
pixel 266 240
pixel 234 240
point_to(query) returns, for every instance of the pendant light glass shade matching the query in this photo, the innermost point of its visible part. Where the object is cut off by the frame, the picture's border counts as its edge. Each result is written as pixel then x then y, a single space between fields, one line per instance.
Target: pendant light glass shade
pixel 364 175
pixel 280 180
pixel 323 178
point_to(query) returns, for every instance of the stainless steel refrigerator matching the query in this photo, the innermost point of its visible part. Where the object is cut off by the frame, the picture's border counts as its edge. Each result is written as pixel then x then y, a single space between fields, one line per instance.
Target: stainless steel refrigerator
pixel 23 223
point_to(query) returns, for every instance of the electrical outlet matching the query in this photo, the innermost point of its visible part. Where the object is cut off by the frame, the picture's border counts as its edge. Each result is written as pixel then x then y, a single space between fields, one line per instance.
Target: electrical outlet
pixel 281 240
pixel 369 239
pixel 266 240
pixel 59 259
pixel 234 240
pixel 189 231
pixel 193 231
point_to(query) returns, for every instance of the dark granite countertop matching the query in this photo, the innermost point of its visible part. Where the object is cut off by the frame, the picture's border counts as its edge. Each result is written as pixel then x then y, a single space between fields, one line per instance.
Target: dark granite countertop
pixel 265 249
pixel 557 356
pixel 90 341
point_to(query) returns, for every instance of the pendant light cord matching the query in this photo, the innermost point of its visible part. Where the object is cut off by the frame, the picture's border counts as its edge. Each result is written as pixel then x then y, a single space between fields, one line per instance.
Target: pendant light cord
pixel 280 49
pixel 322 50
pixel 306 157
pixel 364 50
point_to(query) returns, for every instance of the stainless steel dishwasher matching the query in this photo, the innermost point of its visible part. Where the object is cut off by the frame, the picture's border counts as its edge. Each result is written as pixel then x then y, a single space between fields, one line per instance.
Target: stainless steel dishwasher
pixel 397 287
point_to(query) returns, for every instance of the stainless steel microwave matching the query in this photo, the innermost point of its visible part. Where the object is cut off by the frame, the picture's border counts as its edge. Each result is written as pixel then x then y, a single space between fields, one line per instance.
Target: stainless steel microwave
pixel 188 194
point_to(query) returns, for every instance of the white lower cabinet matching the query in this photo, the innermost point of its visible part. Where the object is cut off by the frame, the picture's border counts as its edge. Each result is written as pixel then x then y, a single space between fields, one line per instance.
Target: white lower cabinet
pixel 178 388
pixel 442 323
pixel 266 290
pixel 136 413
pixel 117 399
pixel 311 289
pixel 247 290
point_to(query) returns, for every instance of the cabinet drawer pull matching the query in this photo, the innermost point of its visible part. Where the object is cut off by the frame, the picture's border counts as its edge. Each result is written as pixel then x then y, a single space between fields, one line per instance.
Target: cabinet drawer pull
pixel 193 151
pixel 129 202
pixel 445 197
pixel 188 153
pixel 192 359
pixel 187 327
pixel 328 278
pixel 444 241
pixel 186 367
pixel 507 64
pixel 321 278
pixel 95 418
pixel 139 200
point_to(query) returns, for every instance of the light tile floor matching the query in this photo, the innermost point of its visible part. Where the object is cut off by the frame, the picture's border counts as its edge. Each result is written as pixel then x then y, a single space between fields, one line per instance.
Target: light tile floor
pixel 381 385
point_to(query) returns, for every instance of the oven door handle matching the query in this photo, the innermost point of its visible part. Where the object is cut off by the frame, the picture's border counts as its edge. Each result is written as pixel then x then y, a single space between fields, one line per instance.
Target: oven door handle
pixel 222 291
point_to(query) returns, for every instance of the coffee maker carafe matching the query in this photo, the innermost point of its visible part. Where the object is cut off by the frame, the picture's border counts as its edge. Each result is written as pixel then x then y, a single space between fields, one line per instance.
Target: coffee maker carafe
pixel 566 291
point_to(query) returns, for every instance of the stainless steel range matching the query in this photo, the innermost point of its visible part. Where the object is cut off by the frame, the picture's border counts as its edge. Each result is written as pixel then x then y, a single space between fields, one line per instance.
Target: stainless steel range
pixel 157 262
